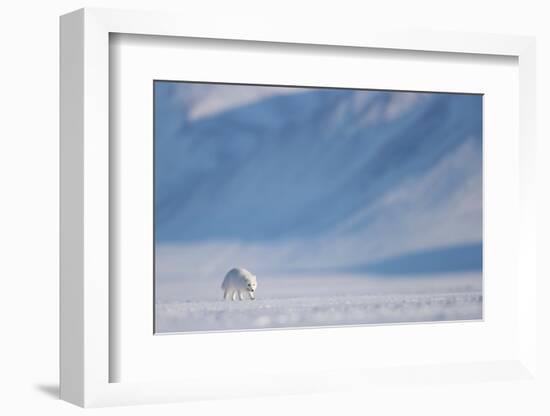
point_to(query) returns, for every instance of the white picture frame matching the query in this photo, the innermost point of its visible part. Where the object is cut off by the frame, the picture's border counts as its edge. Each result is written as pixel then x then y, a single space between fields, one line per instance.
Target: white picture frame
pixel 87 301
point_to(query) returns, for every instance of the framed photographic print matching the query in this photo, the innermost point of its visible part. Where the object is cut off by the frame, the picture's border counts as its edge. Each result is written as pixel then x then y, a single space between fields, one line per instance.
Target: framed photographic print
pixel 251 212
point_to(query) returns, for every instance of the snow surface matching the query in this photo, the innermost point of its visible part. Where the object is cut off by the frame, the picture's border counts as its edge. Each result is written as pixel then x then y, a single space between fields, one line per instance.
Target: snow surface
pixel 317 311
pixel 324 301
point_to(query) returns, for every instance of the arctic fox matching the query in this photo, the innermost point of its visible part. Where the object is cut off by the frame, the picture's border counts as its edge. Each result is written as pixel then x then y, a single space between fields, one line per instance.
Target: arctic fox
pixel 239 283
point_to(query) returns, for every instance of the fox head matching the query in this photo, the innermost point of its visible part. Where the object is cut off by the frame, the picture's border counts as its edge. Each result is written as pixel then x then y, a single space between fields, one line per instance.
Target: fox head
pixel 251 283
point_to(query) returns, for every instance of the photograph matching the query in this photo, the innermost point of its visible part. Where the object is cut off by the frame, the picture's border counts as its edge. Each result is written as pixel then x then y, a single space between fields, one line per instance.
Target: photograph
pixel 302 207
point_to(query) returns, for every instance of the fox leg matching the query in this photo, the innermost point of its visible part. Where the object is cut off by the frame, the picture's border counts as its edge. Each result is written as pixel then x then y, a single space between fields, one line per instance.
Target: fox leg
pixel 226 294
pixel 241 295
pixel 251 294
pixel 234 295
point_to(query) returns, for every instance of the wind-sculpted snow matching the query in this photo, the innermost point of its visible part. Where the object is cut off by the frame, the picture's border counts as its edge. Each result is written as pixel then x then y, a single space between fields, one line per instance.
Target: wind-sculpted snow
pixel 317 311
pixel 290 166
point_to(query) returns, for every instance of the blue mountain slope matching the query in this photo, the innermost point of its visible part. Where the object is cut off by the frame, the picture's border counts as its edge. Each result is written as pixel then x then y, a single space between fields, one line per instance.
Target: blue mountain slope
pixel 299 166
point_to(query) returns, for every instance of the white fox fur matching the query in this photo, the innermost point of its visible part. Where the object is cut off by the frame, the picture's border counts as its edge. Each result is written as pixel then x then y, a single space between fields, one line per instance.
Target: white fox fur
pixel 239 284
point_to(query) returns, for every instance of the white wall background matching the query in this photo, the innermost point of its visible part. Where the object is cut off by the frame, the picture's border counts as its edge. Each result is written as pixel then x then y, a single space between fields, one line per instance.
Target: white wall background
pixel 29 205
